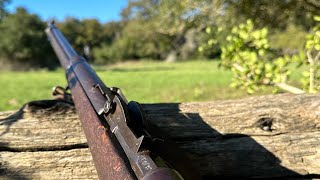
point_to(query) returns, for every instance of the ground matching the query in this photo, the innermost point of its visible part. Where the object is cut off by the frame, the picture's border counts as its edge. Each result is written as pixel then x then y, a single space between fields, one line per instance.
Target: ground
pixel 146 82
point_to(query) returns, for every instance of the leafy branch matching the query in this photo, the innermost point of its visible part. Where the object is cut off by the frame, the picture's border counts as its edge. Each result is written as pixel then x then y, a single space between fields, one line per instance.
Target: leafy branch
pixel 249 56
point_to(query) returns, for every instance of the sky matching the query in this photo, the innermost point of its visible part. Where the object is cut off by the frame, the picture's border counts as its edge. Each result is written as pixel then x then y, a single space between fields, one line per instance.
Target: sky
pixel 103 10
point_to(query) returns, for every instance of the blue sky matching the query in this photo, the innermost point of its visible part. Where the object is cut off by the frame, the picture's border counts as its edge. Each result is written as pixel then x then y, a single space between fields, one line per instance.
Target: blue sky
pixel 103 10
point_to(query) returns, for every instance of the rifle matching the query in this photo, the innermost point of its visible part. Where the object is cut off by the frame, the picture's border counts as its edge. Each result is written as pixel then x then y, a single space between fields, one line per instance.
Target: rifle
pixel 119 138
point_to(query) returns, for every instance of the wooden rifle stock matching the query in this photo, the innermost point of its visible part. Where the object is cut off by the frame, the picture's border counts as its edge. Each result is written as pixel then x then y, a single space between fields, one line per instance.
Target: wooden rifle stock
pixel 120 145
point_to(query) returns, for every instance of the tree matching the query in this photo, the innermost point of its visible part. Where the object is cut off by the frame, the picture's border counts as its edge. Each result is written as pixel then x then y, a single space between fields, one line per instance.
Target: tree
pixel 274 13
pixel 112 31
pixel 72 29
pixel 23 43
pixel 91 36
pixel 180 21
pixel 107 51
pixel 84 35
pixel 3 12
pixel 135 41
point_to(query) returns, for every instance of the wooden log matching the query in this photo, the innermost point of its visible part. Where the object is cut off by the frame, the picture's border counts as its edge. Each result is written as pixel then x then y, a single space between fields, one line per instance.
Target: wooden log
pixel 58 164
pixel 263 137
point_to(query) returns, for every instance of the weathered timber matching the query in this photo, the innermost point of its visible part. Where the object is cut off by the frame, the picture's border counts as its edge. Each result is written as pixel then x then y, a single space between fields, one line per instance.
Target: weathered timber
pixel 265 137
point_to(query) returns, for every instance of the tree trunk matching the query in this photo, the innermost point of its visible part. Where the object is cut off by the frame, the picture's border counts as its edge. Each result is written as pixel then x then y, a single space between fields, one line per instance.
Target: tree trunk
pixel 258 137
pixel 172 56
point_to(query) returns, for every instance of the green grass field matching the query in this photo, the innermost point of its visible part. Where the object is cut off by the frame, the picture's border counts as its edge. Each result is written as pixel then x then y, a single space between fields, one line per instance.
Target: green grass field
pixel 145 82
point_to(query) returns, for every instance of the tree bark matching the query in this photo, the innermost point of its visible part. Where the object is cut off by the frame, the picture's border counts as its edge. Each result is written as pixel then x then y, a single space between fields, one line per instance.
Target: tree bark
pixel 258 137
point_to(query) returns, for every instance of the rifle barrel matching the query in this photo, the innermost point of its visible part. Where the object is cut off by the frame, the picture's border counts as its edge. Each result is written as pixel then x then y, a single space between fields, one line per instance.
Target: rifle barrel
pixel 110 163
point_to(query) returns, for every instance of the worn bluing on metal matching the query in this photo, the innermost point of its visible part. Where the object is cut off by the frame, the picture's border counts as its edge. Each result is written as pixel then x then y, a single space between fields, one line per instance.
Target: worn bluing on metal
pixel 116 149
pixel 110 163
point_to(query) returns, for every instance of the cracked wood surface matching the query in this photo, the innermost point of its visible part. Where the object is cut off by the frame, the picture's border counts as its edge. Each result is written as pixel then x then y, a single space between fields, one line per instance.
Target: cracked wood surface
pixel 265 137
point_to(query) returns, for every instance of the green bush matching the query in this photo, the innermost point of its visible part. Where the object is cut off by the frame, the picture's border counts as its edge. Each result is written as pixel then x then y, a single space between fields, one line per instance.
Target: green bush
pixel 254 64
pixel 106 54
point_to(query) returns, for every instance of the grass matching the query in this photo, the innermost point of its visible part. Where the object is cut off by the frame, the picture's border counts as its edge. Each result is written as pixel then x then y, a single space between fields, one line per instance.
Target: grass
pixel 145 82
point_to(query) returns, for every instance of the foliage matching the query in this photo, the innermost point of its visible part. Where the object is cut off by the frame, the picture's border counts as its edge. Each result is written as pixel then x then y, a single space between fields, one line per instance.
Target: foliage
pixel 179 21
pixel 248 55
pixel 312 46
pixel 288 41
pixel 177 18
pixel 211 47
pixel 23 42
pixel 134 42
pixel 72 29
pixel 87 33
pixel 111 32
pixel 175 29
pixel 3 12
pixel 274 13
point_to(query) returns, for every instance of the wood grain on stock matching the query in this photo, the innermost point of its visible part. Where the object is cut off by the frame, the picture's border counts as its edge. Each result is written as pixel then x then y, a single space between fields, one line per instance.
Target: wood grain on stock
pixel 266 136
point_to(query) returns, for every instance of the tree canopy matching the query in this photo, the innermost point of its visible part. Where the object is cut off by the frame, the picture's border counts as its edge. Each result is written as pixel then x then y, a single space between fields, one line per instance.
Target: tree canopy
pixel 158 29
pixel 23 42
